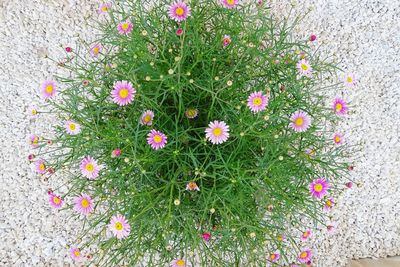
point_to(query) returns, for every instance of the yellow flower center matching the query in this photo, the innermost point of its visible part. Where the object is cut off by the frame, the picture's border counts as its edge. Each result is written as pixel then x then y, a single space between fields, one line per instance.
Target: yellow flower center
pixel 72 126
pixel 104 8
pixel 89 167
pixel 49 89
pixel 303 255
pixel 125 26
pixel 339 107
pixel 217 131
pixel 304 67
pixel 124 93
pixel 305 234
pixel 118 226
pixel 318 187
pixel 280 238
pixel 337 139
pixel 35 140
pixel 191 113
pixel 77 253
pixel 349 79
pixel 85 203
pixel 273 256
pixel 34 112
pixel 42 167
pixel 230 2
pixel 157 138
pixel 329 203
pixel 179 11
pixel 257 101
pixel 147 118
pixel 56 200
pixel 299 122
pixel 180 262
pixel 96 50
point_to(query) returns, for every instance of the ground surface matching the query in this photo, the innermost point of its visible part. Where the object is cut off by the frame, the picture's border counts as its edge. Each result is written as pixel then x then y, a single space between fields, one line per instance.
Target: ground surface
pixel 363 34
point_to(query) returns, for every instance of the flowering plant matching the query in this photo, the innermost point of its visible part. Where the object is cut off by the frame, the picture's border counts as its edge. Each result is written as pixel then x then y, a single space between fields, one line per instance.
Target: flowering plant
pixel 194 134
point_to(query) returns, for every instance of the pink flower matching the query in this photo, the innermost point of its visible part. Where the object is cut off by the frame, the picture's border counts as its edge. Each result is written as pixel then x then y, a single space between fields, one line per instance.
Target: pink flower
pixel 34 140
pixel 123 93
pixel 179 263
pixel 95 50
pixel 350 80
pixel 349 185
pixel 75 254
pixel 331 228
pixel 179 32
pixel 119 226
pixel 206 236
pixel 217 132
pixel 306 235
pixel 179 11
pixel 89 168
pixel 229 3
pixel 274 256
pixel 257 102
pixel 300 121
pixel 339 106
pixel 192 186
pixel 54 200
pixel 31 157
pixel 116 153
pixel 304 68
pixel 319 188
pixel 68 49
pixel 329 203
pixel 313 37
pixel 227 40
pixel 125 27
pixel 85 83
pixel 83 204
pixel 338 138
pixel 40 166
pixel 104 8
pixel 305 255
pixel 48 89
pixel 156 139
pixel 72 127
pixel 147 118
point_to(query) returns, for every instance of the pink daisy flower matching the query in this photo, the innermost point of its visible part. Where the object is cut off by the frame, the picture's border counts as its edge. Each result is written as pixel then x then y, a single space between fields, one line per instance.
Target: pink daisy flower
pixel 40 166
pixel 83 204
pixel 313 38
pixel 48 89
pixel 156 139
pixel 257 102
pixel 34 140
pixel 229 3
pixel 300 121
pixel 72 127
pixel 75 254
pixel 191 113
pixel 119 226
pixel 338 138
pixel 274 256
pixel 192 186
pixel 329 203
pixel 217 132
pixel 89 168
pixel 104 8
pixel 179 263
pixel 125 27
pixel 340 106
pixel 206 236
pixel 123 93
pixel 304 68
pixel 179 32
pixel 179 11
pixel 305 255
pixel 319 188
pixel 147 118
pixel 306 235
pixel 31 157
pixel 95 50
pixel 55 201
pixel 227 40
pixel 350 80
pixel 116 153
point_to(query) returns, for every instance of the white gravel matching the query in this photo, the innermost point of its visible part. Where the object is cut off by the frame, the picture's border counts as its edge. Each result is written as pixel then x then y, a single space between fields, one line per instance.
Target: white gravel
pixel 363 34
